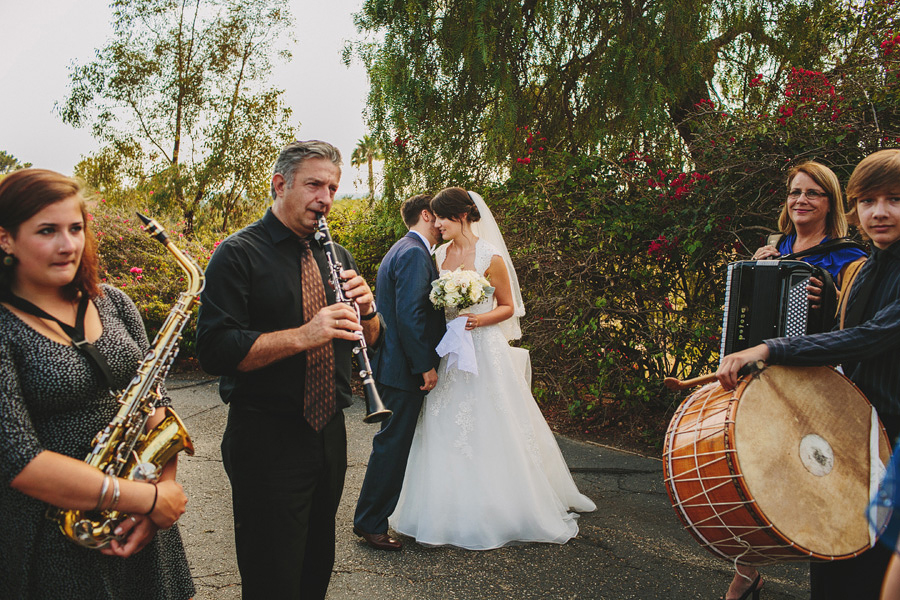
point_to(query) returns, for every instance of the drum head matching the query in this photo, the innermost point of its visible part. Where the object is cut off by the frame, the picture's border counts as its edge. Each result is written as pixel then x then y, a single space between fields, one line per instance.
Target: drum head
pixel 802 444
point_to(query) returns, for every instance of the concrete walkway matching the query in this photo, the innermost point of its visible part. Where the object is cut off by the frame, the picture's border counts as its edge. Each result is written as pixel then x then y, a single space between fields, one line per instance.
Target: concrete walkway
pixel 633 546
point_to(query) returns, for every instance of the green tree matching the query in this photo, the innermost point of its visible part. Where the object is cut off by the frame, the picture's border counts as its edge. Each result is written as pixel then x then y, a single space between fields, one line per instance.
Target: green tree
pixel 456 86
pixel 621 246
pixel 367 151
pixel 182 86
pixel 9 163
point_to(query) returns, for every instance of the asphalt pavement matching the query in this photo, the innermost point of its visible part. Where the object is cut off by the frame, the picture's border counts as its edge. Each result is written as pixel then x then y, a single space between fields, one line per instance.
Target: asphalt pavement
pixel 633 546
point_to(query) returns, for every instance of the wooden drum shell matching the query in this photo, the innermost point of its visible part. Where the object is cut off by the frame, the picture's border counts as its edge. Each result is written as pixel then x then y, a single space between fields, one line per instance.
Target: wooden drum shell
pixel 735 477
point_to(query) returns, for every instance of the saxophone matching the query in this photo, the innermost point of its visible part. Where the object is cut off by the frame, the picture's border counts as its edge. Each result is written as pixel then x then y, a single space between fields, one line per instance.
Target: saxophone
pixel 123 448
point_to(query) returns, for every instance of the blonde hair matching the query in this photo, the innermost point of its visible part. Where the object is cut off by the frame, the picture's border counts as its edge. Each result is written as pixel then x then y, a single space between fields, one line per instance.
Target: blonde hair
pixel 836 219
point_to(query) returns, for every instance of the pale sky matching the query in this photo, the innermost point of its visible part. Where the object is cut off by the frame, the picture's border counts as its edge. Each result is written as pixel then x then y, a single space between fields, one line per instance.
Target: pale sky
pixel 41 40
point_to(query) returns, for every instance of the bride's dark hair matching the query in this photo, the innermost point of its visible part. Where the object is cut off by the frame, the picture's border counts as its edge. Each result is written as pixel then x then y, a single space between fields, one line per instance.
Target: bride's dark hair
pixel 451 203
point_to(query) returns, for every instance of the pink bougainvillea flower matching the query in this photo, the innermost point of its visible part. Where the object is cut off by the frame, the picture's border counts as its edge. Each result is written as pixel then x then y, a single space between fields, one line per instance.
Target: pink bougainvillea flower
pixel 137 270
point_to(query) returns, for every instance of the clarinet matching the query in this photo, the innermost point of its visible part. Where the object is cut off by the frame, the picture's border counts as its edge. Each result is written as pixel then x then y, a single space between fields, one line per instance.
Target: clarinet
pixel 375 409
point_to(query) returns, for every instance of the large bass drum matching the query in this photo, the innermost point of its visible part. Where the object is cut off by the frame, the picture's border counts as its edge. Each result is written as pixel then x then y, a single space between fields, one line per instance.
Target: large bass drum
pixel 781 468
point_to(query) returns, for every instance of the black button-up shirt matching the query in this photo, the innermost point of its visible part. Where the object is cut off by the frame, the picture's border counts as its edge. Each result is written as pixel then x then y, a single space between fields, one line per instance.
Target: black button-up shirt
pixel 253 286
pixel 868 353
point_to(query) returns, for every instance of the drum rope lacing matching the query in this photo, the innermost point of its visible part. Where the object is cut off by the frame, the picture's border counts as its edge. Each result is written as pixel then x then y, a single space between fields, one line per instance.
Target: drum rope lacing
pixel 734 531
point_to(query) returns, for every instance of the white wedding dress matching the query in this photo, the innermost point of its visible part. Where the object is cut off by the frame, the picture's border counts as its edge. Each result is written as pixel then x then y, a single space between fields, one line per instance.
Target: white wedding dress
pixel 484 469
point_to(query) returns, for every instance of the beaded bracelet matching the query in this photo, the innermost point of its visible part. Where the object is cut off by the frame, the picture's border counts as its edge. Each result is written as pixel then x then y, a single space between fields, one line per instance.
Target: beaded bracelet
pixel 155 496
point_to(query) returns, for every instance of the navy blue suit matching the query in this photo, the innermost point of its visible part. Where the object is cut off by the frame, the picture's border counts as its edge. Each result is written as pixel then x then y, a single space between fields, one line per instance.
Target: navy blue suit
pixel 413 329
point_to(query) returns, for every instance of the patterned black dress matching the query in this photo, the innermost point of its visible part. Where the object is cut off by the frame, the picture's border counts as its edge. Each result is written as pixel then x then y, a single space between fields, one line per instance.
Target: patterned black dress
pixel 51 398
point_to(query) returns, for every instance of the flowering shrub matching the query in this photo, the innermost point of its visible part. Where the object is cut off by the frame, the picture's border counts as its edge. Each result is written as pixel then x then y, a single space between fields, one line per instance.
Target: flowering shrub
pixel 622 260
pixel 535 145
pixel 140 266
pixel 618 263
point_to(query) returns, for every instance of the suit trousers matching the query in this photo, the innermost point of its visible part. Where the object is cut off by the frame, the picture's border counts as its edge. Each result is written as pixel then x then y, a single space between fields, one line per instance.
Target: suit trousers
pixel 387 463
pixel 286 484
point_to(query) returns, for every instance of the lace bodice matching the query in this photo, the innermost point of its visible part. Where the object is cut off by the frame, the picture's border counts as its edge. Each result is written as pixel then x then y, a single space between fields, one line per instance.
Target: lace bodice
pixel 484 251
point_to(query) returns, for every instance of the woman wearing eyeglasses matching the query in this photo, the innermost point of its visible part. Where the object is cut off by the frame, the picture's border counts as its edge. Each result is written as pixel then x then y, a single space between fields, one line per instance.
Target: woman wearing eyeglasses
pixel 812 215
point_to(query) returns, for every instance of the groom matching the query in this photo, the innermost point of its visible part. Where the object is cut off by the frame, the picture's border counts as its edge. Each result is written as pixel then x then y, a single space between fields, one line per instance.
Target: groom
pixel 405 366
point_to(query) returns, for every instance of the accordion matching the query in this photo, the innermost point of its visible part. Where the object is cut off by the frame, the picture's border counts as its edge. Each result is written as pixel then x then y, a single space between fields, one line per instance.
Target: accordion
pixel 768 298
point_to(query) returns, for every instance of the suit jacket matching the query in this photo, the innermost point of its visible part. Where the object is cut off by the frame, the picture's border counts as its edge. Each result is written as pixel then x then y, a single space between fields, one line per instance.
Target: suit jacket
pixel 413 326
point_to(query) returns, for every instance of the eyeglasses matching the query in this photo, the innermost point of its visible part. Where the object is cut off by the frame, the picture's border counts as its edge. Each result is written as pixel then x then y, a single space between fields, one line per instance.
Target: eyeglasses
pixel 810 194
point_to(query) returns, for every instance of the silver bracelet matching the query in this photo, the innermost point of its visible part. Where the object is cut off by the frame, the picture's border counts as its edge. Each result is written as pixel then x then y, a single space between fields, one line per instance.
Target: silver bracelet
pixel 115 498
pixel 103 489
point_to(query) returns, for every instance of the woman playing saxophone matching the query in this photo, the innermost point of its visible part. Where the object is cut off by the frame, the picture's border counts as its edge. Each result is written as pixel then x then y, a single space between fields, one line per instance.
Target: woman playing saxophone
pixel 65 342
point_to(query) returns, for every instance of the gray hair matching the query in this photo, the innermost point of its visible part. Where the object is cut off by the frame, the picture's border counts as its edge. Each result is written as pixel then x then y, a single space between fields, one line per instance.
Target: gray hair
pixel 293 155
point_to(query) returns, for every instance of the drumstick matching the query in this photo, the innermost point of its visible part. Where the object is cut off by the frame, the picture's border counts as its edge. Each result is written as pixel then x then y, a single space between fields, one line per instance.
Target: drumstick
pixel 677 384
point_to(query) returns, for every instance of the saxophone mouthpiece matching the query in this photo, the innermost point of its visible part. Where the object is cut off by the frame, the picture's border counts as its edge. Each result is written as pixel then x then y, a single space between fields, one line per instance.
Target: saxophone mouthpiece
pixel 153 228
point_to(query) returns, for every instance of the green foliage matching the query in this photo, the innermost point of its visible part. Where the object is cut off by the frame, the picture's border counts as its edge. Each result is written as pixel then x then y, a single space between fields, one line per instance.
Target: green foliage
pixel 367 151
pixel 140 266
pixel 623 259
pixel 9 163
pixel 179 96
pixel 367 231
pixel 621 248
pixel 453 82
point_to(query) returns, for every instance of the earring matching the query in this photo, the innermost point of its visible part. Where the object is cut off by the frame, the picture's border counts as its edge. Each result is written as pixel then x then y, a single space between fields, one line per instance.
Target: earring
pixel 9 260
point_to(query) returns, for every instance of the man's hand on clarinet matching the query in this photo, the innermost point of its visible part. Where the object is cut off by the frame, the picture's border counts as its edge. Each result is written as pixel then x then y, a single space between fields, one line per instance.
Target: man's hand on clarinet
pixel 356 289
pixel 727 374
pixel 335 321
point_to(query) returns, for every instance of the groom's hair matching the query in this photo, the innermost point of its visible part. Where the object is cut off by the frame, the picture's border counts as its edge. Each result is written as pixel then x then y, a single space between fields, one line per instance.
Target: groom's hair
pixel 412 208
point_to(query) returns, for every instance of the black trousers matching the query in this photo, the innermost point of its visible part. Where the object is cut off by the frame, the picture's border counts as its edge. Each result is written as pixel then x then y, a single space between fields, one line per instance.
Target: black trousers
pixel 857 578
pixel 286 484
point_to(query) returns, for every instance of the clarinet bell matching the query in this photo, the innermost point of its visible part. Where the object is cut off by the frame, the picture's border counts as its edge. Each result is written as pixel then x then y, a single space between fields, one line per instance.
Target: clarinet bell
pixel 376 412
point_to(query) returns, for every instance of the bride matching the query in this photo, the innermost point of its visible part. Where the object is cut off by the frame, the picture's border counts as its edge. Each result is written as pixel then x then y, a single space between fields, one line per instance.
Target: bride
pixel 484 469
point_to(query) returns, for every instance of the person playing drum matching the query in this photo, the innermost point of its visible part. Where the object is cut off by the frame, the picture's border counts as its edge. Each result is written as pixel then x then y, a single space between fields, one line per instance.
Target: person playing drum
pixel 812 214
pixel 867 348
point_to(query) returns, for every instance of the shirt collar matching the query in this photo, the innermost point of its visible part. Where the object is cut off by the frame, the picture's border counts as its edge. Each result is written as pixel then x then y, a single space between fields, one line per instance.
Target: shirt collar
pixel 424 241
pixel 278 230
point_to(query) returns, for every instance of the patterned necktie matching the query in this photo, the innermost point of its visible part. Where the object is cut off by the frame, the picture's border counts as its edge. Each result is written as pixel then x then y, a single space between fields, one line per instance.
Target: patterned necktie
pixel 318 392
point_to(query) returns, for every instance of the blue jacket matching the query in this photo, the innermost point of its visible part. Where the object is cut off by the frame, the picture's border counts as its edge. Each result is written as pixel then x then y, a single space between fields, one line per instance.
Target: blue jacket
pixel 413 326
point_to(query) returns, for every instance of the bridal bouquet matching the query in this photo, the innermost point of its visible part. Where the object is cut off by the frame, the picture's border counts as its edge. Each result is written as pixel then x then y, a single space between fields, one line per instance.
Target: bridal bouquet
pixel 459 288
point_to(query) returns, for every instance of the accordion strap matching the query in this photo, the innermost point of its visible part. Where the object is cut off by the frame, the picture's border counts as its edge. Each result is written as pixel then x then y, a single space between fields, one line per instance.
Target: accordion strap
pixel 835 244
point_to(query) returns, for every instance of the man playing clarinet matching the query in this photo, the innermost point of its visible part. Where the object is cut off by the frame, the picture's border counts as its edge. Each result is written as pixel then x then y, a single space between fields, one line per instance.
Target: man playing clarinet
pixel 270 327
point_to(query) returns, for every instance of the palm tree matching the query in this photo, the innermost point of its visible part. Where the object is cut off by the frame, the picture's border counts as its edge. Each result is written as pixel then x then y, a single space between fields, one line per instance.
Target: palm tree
pixel 367 152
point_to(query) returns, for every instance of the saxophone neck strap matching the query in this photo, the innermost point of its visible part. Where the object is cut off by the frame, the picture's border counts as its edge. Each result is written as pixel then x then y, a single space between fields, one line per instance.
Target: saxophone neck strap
pixel 76 333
